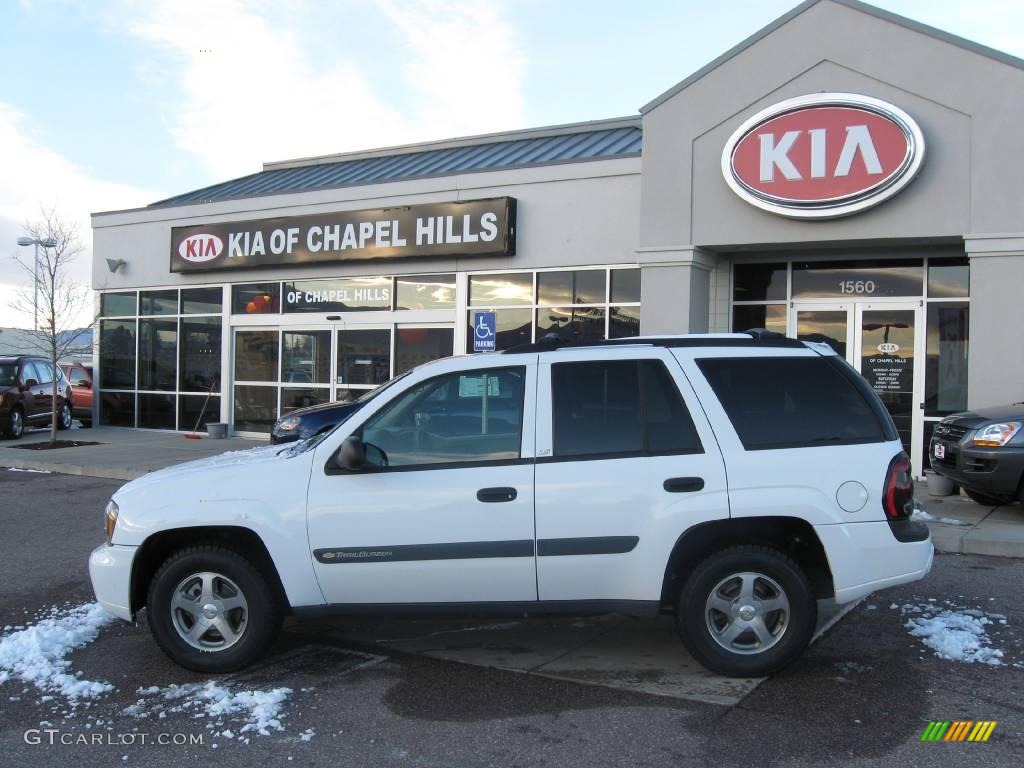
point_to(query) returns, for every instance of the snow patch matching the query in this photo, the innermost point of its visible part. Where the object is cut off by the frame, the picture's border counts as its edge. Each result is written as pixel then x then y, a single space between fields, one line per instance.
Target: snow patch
pixel 35 654
pixel 33 471
pixel 258 711
pixel 954 634
pixel 926 517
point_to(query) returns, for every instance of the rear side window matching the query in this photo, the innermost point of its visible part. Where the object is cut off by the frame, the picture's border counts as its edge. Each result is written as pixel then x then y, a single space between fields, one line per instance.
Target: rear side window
pixel 792 402
pixel 609 408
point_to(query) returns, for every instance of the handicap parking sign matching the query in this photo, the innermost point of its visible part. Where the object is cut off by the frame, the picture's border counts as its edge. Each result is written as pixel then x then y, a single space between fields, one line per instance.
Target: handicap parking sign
pixel 485 328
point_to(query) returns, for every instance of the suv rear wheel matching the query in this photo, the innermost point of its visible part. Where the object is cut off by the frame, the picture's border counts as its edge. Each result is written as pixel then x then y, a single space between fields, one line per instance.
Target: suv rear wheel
pixel 746 611
pixel 211 610
pixel 15 423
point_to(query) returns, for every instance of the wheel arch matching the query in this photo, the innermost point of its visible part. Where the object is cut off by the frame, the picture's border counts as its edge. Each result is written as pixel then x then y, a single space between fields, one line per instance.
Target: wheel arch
pixel 162 544
pixel 793 536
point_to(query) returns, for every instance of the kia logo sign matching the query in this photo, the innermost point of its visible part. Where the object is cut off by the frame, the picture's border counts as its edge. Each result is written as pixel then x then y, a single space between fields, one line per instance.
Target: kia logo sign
pixel 824 155
pixel 888 348
pixel 201 247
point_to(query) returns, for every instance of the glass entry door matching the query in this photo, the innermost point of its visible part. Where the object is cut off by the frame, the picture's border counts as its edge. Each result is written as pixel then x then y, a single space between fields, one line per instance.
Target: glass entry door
pixel 884 342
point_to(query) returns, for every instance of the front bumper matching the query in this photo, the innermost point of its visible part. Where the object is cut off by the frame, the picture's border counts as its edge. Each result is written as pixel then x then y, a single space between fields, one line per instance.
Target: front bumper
pixel 997 471
pixel 865 557
pixel 110 570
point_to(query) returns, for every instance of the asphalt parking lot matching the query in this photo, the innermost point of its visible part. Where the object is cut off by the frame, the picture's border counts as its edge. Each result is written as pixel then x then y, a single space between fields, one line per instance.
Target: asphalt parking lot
pixel 429 694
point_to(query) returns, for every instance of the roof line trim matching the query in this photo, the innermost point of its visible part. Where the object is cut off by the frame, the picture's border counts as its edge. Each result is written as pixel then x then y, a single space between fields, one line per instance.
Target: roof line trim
pixel 856 5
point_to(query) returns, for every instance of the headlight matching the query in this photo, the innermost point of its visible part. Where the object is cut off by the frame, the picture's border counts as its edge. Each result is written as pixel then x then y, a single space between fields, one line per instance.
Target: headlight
pixel 996 435
pixel 110 517
pixel 288 423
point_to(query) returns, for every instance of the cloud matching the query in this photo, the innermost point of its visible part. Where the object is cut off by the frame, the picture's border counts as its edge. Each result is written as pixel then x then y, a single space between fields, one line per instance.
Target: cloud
pixel 260 95
pixel 35 175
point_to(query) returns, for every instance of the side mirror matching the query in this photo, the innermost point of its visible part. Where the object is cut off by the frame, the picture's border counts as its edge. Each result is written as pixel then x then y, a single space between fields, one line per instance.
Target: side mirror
pixel 85 383
pixel 351 455
pixel 31 383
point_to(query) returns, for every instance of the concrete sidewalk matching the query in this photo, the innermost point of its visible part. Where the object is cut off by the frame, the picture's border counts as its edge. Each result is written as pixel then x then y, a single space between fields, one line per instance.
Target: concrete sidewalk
pixel 123 454
pixel 958 525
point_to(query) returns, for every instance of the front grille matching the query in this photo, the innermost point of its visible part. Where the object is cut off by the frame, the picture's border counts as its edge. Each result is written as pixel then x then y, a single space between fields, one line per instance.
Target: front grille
pixel 952 432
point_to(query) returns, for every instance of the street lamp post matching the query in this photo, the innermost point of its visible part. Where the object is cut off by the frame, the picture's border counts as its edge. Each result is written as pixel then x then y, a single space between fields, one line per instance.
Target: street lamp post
pixel 46 242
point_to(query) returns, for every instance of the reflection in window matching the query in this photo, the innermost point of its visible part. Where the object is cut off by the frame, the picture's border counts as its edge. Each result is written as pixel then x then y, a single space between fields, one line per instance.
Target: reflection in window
pixel 623 322
pixel 945 373
pixel 200 354
pixel 156 411
pixel 117 354
pixel 501 290
pixel 255 408
pixel 306 357
pixel 415 346
pixel 857 279
pixel 949 279
pixel 827 326
pixel 472 416
pixel 256 299
pixel 515 327
pixel 158 355
pixel 425 292
pixel 759 282
pixel 584 286
pixel 201 301
pixel 158 302
pixel 769 316
pixel 572 324
pixel 625 286
pixel 364 357
pixel 117 409
pixel 117 304
pixel 256 356
pixel 292 398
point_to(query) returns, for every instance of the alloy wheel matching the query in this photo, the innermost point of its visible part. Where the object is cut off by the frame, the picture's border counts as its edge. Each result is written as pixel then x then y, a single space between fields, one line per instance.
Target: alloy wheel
pixel 209 611
pixel 17 425
pixel 65 416
pixel 747 613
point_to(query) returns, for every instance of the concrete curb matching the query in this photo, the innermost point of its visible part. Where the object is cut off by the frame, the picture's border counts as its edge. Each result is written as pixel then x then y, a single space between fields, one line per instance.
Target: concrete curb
pixel 963 527
pixel 83 470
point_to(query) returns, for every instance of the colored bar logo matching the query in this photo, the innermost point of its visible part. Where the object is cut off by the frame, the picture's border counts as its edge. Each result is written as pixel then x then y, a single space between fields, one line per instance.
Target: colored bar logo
pixel 958 730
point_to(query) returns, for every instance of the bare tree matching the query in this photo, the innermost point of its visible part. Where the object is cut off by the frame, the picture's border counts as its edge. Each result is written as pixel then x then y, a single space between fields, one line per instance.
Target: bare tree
pixel 61 301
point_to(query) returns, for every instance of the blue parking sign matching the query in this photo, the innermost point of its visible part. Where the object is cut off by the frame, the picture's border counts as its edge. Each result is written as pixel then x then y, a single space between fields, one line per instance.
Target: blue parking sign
pixel 485 329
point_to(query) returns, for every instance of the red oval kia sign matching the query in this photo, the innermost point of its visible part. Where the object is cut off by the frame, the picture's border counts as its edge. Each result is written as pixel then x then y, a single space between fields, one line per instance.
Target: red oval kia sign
pixel 823 155
pixel 200 248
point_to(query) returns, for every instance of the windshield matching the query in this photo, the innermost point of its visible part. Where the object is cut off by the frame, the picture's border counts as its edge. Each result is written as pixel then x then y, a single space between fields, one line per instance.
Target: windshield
pixel 8 374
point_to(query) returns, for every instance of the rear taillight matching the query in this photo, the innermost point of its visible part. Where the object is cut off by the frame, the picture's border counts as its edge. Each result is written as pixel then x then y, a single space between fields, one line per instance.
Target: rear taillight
pixel 897 500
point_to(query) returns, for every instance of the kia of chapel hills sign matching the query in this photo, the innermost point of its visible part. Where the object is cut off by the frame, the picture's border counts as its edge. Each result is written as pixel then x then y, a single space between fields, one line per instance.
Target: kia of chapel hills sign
pixel 823 155
pixel 470 228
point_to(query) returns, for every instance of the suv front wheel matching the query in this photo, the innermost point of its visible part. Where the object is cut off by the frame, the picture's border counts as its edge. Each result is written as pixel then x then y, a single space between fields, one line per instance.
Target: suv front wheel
pixel 746 611
pixel 211 610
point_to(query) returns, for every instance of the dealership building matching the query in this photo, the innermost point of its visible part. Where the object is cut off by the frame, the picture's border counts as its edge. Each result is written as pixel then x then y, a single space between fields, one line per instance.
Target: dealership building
pixel 844 175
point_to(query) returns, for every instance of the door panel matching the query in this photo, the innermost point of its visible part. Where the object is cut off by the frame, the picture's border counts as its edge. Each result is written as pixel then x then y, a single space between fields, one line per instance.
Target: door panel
pixel 607 524
pixel 412 532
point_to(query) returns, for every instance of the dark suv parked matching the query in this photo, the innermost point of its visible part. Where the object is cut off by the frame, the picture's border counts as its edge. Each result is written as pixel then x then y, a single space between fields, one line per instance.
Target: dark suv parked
pixel 26 395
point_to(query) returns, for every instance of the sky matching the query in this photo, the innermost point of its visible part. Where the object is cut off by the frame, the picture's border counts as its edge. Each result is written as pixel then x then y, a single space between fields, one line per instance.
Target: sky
pixel 111 104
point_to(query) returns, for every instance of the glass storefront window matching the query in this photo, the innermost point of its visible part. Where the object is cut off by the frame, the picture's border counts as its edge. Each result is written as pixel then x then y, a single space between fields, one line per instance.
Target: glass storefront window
pixel 201 301
pixel 117 409
pixel 156 411
pixel 501 290
pixel 949 279
pixel 117 354
pixel 945 373
pixel 514 328
pixel 769 316
pixel 158 302
pixel 425 292
pixel 623 322
pixel 573 324
pixel 857 280
pixel 306 357
pixel 414 346
pixel 364 356
pixel 825 325
pixel 256 299
pixel 292 397
pixel 191 413
pixel 343 294
pixel 625 286
pixel 759 282
pixel 118 304
pixel 158 352
pixel 584 286
pixel 255 408
pixel 256 356
pixel 199 353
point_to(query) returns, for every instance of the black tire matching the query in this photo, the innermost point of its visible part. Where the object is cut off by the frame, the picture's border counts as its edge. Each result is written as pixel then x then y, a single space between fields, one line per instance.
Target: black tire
pixel 789 634
pixel 86 424
pixel 15 426
pixel 262 614
pixel 983 498
pixel 64 416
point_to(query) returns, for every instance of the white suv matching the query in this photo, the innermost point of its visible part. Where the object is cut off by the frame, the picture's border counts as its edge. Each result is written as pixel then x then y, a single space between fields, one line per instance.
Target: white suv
pixel 732 479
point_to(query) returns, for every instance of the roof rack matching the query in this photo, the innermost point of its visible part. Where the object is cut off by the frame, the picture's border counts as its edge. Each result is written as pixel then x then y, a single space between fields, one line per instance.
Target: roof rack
pixel 755 337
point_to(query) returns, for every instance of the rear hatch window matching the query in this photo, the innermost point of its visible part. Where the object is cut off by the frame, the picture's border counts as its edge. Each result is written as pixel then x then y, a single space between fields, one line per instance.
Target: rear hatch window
pixel 796 402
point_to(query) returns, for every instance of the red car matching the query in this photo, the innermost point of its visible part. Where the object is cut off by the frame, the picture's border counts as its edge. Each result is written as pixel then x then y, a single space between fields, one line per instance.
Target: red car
pixel 80 376
pixel 26 395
